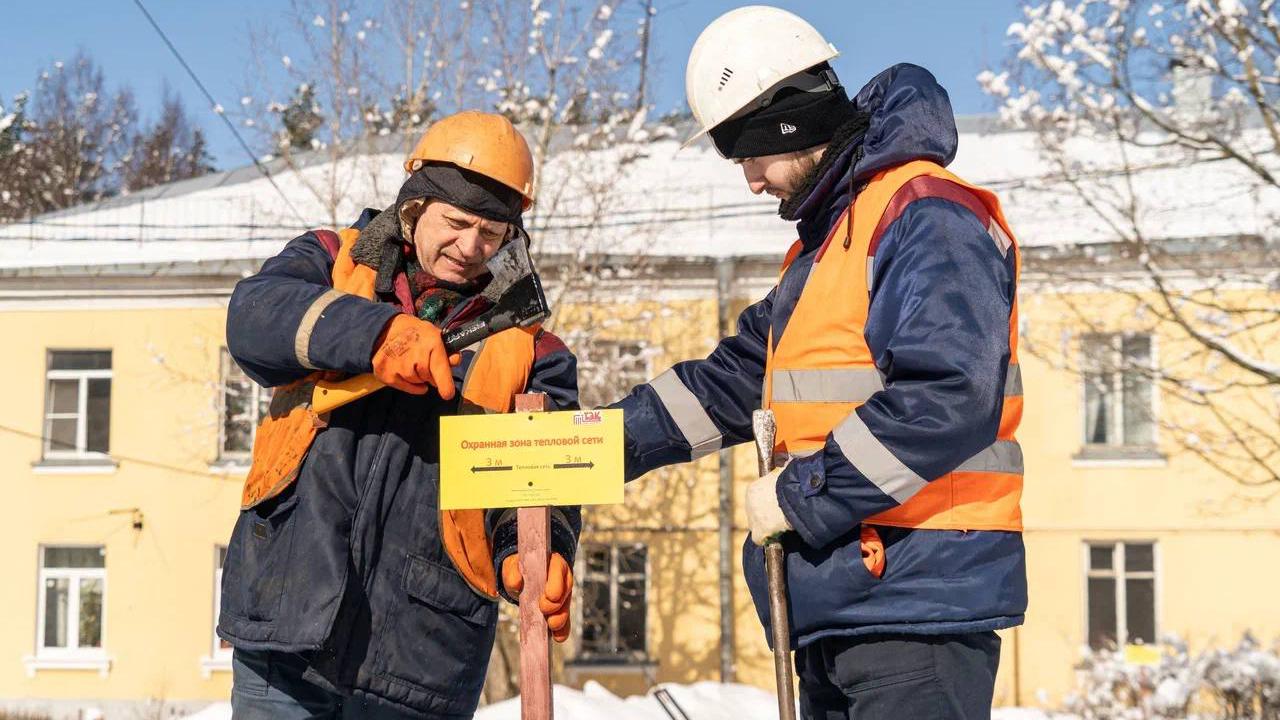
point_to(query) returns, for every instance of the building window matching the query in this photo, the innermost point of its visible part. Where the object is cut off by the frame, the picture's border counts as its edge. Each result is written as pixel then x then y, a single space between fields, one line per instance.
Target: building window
pixel 77 406
pixel 614 602
pixel 219 657
pixel 1121 603
pixel 73 584
pixel 221 648
pixel 1118 390
pixel 607 369
pixel 244 403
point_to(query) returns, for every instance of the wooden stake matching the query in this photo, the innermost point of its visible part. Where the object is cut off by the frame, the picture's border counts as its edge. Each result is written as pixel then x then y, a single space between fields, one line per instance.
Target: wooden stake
pixel 535 640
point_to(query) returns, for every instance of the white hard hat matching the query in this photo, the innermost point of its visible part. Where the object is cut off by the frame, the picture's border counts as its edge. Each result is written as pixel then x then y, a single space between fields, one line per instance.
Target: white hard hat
pixel 746 55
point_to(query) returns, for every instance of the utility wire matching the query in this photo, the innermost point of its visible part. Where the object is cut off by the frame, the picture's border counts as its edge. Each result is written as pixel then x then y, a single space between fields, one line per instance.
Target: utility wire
pixel 220 112
pixel 120 458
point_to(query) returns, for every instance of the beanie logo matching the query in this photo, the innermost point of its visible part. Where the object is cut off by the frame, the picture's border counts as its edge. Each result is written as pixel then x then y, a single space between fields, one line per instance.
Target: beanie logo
pixel 787 128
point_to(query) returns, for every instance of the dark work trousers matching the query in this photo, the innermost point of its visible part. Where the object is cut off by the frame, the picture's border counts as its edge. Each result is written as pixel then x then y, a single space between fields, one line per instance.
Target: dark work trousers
pixel 898 677
pixel 268 685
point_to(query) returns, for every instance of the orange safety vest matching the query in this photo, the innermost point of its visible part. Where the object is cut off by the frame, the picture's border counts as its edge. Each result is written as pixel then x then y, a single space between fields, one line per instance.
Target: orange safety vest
pixel 498 372
pixel 822 369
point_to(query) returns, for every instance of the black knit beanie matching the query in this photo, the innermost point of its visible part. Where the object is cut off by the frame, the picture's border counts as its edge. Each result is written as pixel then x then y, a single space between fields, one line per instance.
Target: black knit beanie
pixel 793 120
pixel 463 188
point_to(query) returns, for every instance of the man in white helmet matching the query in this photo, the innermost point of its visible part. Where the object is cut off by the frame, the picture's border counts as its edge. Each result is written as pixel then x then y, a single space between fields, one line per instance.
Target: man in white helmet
pixel 888 354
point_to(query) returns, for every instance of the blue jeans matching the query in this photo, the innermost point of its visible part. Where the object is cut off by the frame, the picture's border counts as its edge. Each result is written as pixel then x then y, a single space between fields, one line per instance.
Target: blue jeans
pixel 268 685
pixel 892 677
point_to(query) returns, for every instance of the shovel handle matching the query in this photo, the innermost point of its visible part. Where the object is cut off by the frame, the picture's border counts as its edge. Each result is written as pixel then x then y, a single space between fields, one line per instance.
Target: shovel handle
pixel 331 394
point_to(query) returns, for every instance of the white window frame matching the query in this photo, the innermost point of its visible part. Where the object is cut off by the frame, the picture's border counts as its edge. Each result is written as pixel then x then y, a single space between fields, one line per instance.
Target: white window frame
pixel 219 658
pixel 81 415
pixel 1119 574
pixel 612 348
pixel 613 577
pixel 235 457
pixel 1115 409
pixel 66 656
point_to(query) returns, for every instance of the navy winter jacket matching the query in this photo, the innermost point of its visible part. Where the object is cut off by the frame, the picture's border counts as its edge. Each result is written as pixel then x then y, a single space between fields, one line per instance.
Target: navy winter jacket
pixel 347 566
pixel 938 328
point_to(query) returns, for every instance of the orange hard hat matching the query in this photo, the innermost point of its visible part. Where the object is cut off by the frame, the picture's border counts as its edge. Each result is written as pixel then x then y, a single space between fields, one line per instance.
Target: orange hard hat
pixel 483 143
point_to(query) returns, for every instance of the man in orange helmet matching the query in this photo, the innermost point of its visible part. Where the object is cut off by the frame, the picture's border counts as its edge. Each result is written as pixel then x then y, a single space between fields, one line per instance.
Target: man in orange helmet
pixel 346 591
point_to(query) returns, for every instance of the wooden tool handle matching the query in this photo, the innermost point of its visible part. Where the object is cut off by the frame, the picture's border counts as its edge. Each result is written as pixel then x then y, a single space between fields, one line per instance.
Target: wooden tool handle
pixel 776 572
pixel 331 394
pixel 534 546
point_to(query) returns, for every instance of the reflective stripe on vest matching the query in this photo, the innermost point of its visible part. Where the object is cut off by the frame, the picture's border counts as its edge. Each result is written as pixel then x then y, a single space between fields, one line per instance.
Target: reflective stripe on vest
pixel 821 368
pixel 826 385
pixel 690 417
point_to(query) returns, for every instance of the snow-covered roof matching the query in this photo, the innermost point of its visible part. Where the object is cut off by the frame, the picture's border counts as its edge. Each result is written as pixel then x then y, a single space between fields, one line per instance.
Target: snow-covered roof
pixel 658 201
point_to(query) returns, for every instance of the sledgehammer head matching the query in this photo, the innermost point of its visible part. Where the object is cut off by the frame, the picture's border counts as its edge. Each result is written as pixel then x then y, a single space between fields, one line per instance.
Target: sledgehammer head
pixel 516 294
pixel 765 429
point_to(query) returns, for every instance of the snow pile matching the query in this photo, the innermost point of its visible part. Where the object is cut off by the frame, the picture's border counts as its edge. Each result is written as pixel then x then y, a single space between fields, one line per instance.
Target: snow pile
pixel 216 711
pixel 1018 713
pixel 1243 681
pixel 701 701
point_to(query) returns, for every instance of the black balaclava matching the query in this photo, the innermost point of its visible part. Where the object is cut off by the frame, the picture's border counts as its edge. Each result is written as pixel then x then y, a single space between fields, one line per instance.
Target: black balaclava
pixel 793 119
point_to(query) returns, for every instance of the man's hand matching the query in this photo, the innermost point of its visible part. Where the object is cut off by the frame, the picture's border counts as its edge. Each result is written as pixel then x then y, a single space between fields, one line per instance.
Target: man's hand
pixel 764 516
pixel 410 356
pixel 554 602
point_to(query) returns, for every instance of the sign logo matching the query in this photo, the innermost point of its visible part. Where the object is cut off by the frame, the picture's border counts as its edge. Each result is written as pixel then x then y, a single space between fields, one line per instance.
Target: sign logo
pixel 588 417
pixel 787 128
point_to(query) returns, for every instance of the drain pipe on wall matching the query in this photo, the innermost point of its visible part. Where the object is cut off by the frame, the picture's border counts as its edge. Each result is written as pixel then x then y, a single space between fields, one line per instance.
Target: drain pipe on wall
pixel 724 285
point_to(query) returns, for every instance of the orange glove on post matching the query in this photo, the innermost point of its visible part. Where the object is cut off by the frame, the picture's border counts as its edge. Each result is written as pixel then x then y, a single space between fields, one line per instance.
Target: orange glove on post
pixel 410 356
pixel 554 602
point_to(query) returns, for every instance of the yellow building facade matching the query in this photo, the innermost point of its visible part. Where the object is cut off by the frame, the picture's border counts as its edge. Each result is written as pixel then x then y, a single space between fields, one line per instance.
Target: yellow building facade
pixel 124 436
pixel 121 450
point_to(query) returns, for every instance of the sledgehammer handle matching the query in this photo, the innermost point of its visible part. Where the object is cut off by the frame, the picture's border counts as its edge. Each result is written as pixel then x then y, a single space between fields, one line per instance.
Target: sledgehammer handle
pixel 765 428
pixel 776 572
pixel 333 394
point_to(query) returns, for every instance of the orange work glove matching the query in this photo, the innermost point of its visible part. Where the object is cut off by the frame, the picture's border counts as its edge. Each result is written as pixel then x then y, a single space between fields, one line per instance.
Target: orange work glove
pixel 554 603
pixel 410 356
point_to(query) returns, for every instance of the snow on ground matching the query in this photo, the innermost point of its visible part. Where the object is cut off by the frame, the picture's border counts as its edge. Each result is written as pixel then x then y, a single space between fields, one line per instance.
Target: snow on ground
pixel 216 711
pixel 699 701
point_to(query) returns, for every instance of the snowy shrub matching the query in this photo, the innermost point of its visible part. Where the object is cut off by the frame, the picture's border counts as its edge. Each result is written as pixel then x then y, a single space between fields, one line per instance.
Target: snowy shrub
pixel 1242 683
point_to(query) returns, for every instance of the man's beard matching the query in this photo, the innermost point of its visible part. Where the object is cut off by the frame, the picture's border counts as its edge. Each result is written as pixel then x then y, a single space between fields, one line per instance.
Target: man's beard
pixel 801 181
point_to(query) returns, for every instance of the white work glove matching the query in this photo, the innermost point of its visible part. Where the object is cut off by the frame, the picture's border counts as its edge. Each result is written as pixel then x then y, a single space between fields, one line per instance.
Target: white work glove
pixel 764 516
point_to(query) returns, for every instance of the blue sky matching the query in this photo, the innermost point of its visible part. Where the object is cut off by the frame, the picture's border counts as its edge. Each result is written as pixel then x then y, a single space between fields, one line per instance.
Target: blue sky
pixel 954 38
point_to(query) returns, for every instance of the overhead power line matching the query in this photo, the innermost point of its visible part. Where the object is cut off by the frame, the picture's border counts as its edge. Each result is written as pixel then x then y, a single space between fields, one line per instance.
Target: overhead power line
pixel 121 458
pixel 217 109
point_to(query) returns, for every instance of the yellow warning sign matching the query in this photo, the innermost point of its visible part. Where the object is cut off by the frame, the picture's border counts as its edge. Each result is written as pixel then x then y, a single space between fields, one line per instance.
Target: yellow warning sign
pixel 529 459
pixel 1142 655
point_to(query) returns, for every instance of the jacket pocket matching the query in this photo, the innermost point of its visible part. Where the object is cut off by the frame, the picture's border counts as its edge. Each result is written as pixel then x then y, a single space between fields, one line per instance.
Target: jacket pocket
pixel 443 589
pixel 440 634
pixel 258 558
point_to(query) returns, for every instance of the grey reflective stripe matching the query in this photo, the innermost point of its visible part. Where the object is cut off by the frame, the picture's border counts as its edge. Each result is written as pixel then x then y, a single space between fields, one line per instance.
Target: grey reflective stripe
pixel 871 272
pixel 302 339
pixel 830 385
pixel 875 461
pixel 1002 456
pixel 1013 381
pixel 684 408
pixel 999 236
